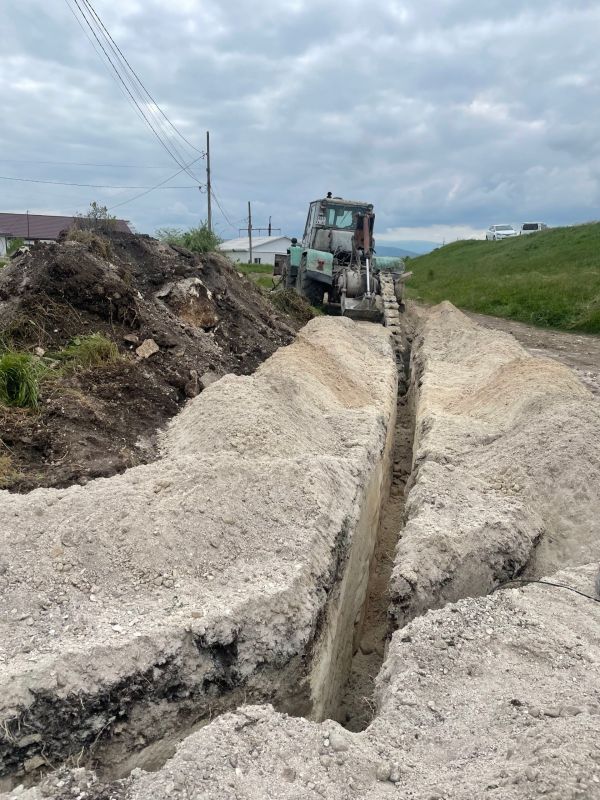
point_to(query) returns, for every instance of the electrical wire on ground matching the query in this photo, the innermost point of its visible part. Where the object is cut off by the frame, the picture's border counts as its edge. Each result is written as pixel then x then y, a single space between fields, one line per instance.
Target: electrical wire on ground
pixel 547 583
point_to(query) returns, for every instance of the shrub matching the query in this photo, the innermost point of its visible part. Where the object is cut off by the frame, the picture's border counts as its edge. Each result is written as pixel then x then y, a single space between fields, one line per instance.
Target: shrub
pixel 88 351
pixel 198 240
pixel 20 375
pixel 14 245
pixel 96 218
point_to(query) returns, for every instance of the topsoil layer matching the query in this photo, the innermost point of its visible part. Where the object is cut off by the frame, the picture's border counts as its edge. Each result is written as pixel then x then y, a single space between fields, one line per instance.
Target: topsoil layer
pixel 204 317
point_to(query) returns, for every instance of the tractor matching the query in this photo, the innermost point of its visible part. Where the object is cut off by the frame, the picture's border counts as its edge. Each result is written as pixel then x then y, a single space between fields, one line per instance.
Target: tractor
pixel 337 258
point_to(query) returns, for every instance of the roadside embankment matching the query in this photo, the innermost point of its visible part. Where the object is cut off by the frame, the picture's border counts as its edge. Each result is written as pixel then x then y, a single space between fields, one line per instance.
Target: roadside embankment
pixel 229 570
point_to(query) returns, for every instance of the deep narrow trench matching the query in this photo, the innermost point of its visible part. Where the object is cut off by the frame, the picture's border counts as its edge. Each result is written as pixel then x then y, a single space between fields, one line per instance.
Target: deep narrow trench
pixel 147 720
pixel 374 628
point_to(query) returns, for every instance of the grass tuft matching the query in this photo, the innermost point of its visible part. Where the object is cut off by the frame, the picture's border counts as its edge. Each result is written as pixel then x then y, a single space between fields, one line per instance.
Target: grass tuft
pixel 20 376
pixel 550 279
pixel 88 351
pixel 290 302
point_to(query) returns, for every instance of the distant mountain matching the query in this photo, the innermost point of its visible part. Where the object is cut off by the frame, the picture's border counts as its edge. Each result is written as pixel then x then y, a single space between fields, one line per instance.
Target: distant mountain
pixel 381 250
pixel 406 248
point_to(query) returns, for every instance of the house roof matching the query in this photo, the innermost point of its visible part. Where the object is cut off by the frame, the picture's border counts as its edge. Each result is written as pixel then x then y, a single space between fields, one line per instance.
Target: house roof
pixel 242 244
pixel 42 226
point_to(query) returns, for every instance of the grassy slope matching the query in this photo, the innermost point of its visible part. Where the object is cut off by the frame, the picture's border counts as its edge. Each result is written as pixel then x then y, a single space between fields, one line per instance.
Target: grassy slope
pixel 550 278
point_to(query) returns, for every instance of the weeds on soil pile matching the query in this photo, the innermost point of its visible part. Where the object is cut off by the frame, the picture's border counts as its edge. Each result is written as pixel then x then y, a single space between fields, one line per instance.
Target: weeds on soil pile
pixel 97 244
pixel 290 302
pixel 20 376
pixel 551 278
pixel 88 351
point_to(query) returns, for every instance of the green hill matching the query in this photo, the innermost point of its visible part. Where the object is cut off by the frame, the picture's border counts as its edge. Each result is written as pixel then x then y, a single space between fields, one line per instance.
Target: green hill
pixel 551 278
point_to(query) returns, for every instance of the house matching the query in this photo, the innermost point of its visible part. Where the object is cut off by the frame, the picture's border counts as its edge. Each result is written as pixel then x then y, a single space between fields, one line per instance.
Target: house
pixel 34 228
pixel 265 249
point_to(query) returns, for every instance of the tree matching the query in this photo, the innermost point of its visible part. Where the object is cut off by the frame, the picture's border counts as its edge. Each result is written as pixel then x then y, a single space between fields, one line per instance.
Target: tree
pixel 96 218
pixel 198 240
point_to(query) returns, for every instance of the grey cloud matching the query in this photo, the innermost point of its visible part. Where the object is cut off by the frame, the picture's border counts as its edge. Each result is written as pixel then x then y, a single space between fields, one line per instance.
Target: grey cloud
pixel 441 113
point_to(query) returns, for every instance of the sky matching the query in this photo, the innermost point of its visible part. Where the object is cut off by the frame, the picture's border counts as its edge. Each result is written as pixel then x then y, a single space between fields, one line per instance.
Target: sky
pixel 447 115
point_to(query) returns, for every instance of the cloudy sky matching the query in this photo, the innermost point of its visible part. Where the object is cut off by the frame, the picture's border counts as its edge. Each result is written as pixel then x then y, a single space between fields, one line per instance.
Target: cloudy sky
pixel 448 115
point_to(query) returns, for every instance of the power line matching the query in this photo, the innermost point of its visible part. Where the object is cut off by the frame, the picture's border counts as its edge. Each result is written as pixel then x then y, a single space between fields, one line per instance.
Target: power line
pixel 229 222
pixel 152 108
pixel 76 164
pixel 103 62
pixel 124 84
pixel 134 73
pixel 125 70
pixel 158 185
pixel 128 87
pixel 89 185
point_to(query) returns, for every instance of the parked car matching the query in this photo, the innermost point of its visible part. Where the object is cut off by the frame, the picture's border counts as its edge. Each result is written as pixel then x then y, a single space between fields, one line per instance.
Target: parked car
pixel 495 232
pixel 532 227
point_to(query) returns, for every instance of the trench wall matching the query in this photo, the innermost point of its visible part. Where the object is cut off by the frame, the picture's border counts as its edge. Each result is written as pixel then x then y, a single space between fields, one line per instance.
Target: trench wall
pixel 140 606
pixel 506 466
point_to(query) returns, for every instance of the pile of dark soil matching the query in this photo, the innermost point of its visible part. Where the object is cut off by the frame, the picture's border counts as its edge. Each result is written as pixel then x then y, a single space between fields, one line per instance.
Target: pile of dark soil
pixel 202 318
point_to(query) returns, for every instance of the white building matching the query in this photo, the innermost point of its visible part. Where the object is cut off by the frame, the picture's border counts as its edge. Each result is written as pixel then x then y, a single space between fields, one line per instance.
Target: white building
pixel 265 249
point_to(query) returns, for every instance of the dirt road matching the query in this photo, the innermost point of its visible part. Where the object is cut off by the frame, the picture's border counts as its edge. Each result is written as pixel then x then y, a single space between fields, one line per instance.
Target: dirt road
pixel 580 352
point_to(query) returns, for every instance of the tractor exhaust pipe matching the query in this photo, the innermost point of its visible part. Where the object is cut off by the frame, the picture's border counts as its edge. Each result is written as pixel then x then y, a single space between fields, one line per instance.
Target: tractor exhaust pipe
pixel 367 251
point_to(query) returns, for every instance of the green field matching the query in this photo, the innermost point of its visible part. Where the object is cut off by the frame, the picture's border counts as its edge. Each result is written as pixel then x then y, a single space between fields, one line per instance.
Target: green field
pixel 254 269
pixel 550 279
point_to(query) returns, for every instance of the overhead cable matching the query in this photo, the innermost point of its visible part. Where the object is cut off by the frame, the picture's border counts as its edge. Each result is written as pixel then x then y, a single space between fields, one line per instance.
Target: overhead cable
pixel 158 185
pixel 89 185
pixel 128 85
pixel 138 79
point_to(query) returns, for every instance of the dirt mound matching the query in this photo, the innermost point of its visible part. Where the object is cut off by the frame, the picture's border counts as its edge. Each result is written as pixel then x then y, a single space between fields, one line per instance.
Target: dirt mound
pixel 196 313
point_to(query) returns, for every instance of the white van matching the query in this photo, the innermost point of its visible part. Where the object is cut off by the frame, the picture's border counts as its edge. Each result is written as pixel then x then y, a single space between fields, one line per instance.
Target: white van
pixel 532 227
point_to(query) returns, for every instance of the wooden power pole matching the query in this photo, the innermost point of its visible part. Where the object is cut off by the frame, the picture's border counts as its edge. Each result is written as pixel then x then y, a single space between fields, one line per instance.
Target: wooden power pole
pixel 250 230
pixel 208 186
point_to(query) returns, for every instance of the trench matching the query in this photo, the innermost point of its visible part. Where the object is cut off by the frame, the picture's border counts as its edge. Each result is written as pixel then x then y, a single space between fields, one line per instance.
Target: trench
pixel 139 724
pixel 374 626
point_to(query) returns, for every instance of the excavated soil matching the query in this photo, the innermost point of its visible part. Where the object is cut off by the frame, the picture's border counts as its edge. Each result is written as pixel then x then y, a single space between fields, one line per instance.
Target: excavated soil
pixel 205 319
pixel 485 691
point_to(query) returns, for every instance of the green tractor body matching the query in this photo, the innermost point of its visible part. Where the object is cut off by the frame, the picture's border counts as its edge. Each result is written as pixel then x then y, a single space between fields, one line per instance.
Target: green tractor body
pixel 337 258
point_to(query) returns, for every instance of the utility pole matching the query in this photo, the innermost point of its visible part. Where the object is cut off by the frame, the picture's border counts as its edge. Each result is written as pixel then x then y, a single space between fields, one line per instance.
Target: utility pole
pixel 250 231
pixel 269 226
pixel 208 187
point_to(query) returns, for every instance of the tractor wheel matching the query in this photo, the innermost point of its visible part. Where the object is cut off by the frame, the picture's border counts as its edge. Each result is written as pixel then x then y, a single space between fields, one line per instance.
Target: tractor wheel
pixel 313 291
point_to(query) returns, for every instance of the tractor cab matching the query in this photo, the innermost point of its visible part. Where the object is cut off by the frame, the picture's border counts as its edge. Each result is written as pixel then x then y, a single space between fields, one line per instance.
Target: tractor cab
pixel 333 222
